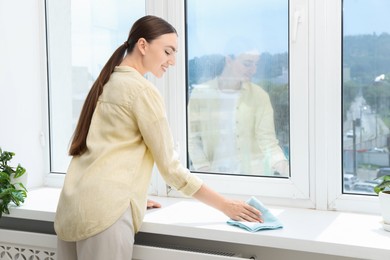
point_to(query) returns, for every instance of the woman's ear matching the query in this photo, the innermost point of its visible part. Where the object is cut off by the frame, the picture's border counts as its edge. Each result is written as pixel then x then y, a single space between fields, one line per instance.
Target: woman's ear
pixel 142 45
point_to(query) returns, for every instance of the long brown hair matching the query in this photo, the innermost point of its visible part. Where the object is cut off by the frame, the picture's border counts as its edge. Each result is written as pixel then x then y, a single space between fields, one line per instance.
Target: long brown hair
pixel 148 27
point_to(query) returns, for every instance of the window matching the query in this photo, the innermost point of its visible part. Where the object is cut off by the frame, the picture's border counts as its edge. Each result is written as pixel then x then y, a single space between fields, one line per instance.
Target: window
pixel 81 37
pixel 366 94
pixel 328 91
pixel 267 43
pixel 238 87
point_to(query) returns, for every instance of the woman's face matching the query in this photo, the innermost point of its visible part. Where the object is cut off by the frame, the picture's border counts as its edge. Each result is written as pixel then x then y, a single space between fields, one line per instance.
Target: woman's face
pixel 244 66
pixel 160 54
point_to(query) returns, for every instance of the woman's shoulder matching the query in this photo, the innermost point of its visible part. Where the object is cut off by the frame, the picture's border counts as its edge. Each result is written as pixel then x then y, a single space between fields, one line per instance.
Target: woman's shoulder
pixel 256 89
pixel 125 86
pixel 131 80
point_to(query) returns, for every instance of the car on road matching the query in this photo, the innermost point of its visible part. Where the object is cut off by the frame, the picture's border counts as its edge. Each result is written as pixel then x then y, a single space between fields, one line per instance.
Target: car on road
pixel 383 171
pixel 366 187
pixel 348 181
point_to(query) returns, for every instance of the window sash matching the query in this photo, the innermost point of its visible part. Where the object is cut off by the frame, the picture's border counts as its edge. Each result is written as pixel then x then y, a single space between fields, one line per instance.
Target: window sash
pixel 272 189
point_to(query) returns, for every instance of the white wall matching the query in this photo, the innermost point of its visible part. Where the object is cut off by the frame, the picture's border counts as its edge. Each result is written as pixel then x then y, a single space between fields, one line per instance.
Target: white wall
pixel 22 85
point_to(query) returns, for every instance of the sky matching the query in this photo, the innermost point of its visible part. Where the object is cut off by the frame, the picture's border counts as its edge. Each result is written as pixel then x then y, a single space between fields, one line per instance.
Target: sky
pixel 212 23
pixel 366 16
pixel 265 22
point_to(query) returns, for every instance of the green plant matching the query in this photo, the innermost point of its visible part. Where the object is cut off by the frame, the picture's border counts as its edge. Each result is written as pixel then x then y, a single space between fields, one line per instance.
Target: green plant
pixel 384 185
pixel 10 191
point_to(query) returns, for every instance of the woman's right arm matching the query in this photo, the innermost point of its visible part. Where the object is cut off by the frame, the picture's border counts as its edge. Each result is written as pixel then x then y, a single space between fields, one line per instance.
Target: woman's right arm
pixel 235 209
pixel 155 130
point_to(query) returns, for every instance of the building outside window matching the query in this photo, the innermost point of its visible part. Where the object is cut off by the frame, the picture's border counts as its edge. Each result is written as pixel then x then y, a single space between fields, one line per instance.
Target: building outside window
pixel 366 94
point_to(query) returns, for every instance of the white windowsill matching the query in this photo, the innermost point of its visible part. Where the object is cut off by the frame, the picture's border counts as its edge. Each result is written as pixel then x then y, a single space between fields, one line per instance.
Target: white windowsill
pixel 326 232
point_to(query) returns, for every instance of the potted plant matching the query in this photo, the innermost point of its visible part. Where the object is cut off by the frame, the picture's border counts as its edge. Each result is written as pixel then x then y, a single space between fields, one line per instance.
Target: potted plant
pixel 10 189
pixel 383 191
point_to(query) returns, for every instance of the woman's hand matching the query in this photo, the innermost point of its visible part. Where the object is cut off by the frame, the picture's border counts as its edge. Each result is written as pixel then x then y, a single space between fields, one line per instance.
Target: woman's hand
pixel 152 204
pixel 234 209
pixel 282 168
pixel 241 211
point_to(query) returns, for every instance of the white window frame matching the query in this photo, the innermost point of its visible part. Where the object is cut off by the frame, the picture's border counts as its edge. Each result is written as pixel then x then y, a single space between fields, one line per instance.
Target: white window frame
pixel 315 119
pixel 328 115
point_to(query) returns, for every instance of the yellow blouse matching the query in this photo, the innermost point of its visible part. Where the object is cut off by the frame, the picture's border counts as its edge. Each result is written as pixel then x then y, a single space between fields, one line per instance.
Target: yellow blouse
pixel 128 133
pixel 257 147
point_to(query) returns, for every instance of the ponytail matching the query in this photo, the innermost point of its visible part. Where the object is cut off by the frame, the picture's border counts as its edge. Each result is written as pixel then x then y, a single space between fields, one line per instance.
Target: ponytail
pixel 79 142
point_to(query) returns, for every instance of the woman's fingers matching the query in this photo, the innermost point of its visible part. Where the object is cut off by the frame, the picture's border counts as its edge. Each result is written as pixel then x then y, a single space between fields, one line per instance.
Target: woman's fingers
pixel 249 218
pixel 253 213
pixel 245 212
pixel 152 204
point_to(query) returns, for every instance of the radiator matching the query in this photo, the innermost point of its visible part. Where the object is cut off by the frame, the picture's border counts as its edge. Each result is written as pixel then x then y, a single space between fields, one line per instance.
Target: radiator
pixel 172 252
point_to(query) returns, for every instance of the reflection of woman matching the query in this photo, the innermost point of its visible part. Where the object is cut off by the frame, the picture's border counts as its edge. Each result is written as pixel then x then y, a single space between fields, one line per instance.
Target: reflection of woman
pixel 231 123
pixel 121 132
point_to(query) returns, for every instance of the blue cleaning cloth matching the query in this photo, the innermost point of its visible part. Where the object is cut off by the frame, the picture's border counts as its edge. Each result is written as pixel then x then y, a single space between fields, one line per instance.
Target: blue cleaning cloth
pixel 270 221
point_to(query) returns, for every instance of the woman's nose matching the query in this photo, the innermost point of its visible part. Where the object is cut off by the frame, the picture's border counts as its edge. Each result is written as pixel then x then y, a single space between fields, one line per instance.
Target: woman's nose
pixel 172 61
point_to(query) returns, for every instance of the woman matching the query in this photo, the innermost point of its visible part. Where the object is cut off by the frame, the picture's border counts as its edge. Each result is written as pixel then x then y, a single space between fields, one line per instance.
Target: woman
pixel 122 131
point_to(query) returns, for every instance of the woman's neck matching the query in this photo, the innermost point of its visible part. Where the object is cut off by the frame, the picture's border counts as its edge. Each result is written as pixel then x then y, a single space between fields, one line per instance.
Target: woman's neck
pixel 229 84
pixel 131 60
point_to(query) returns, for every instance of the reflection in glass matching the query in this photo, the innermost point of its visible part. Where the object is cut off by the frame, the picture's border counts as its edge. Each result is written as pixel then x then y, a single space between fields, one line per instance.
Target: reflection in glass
pixel 366 94
pixel 238 110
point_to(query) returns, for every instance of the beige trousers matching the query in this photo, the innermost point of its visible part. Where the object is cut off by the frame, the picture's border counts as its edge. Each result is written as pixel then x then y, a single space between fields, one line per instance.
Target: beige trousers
pixel 114 243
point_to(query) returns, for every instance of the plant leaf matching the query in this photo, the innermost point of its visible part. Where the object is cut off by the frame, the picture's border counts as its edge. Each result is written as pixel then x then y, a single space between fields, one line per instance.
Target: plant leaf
pixel 4 193
pixel 4 177
pixel 18 196
pixel 10 191
pixel 19 171
pixel 384 184
pixel 22 186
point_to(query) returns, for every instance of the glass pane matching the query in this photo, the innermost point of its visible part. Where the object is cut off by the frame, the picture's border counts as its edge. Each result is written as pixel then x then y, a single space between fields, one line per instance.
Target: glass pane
pixel 82 35
pixel 366 94
pixel 238 87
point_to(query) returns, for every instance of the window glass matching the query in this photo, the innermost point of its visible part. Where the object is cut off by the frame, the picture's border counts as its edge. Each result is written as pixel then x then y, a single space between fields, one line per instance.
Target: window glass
pixel 238 87
pixel 366 94
pixel 82 35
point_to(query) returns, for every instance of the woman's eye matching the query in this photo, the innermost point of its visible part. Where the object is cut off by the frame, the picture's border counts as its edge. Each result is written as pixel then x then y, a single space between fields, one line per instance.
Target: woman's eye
pixel 169 52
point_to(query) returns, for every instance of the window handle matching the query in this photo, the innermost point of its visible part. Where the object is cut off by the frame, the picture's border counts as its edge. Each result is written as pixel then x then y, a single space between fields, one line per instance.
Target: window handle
pixel 297 22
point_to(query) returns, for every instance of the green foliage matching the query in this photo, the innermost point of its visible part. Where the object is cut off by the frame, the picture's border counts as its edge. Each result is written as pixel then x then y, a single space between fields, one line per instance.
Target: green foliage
pixel 365 57
pixel 10 191
pixel 383 185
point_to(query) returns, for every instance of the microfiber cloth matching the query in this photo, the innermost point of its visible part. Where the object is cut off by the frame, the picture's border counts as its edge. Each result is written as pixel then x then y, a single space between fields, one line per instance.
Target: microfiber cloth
pixel 270 221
